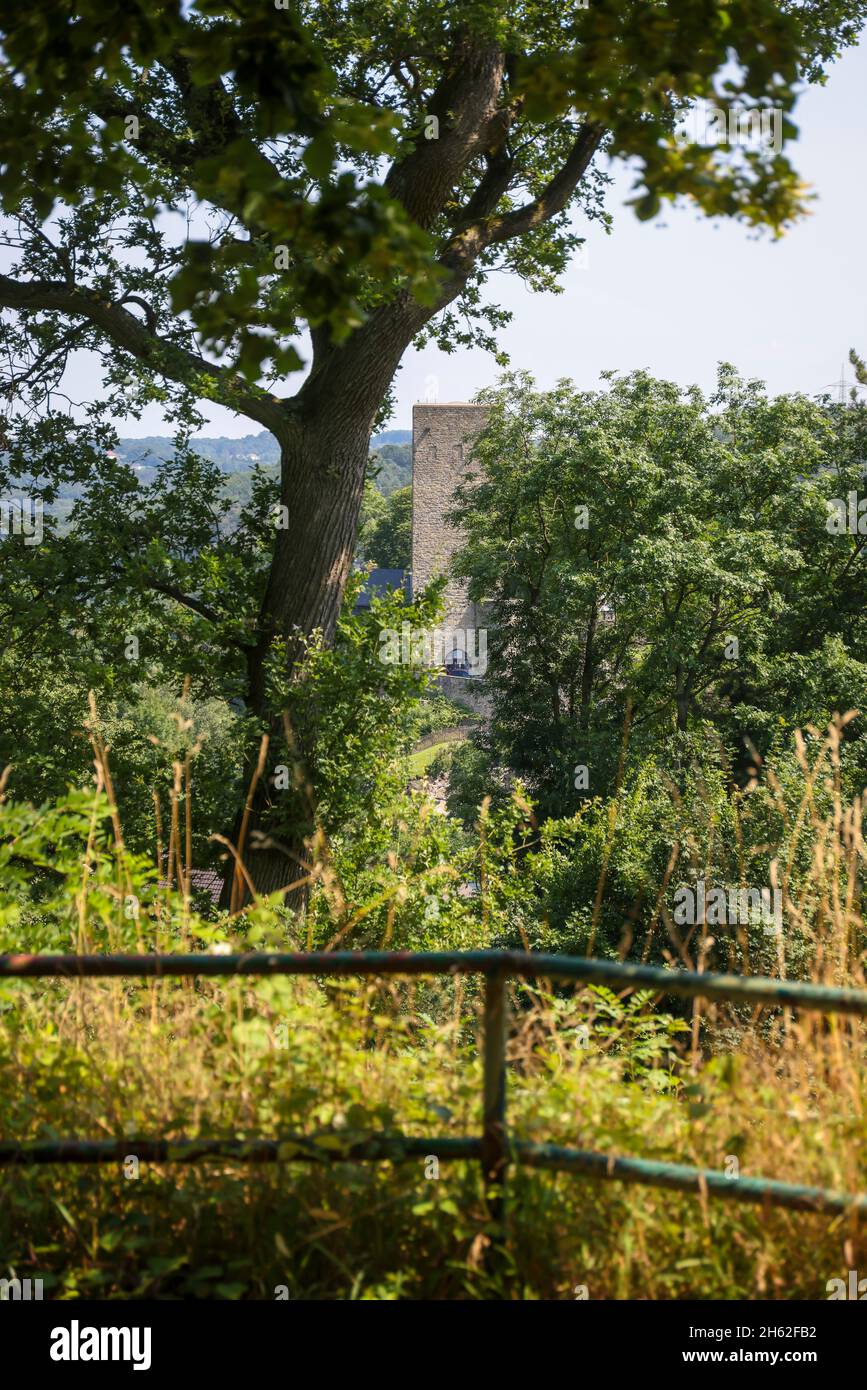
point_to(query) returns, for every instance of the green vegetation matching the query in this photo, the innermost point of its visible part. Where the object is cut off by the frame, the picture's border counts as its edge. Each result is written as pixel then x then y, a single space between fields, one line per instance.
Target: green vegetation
pixel 188 220
pixel 517 863
pixel 677 660
pixel 430 759
pixel 662 579
pixel 780 1096
pixel 391 467
pixel 385 529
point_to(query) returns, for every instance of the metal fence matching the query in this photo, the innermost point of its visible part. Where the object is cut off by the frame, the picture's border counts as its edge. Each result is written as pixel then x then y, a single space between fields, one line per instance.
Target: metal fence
pixel 494 1149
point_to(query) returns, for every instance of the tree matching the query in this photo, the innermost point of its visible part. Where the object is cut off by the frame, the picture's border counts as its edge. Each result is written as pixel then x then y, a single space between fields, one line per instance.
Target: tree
pixel 386 537
pixel 651 549
pixel 373 511
pixel 190 188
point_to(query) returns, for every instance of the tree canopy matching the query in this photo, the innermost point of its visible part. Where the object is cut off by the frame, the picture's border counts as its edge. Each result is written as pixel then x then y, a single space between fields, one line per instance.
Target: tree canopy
pixel 345 157
pixel 650 549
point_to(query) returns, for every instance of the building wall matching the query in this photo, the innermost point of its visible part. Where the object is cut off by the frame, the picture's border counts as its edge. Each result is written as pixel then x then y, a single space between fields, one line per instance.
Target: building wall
pixel 465 692
pixel 441 439
pixel 441 445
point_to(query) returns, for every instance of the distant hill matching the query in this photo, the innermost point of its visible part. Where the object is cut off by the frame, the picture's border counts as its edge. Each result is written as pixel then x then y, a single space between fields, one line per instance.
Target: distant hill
pixel 391 466
pixel 391 437
pixel 232 455
pixel 243 454
pixel 236 459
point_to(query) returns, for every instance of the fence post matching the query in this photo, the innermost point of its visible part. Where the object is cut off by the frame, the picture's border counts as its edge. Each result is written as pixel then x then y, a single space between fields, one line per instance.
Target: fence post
pixel 495 1149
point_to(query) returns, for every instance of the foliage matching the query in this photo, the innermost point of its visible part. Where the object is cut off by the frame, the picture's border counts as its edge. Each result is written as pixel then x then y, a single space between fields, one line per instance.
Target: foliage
pixel 390 466
pixel 661 572
pixel 357 86
pixel 385 533
pixel 137 1059
pixel 152 739
pixel 335 1063
pixel 348 717
pixel 187 191
pixel 436 711
pixel 370 713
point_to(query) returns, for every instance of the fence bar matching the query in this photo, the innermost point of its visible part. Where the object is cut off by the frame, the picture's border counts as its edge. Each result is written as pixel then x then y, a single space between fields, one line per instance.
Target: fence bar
pixel 527 965
pixel 493 1148
pixel 681 1178
pixel 295 1148
pixel 289 1148
pixel 494 1144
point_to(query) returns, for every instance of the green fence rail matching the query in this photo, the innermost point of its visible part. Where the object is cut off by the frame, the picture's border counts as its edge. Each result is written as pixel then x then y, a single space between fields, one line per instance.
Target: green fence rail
pixel 494 1149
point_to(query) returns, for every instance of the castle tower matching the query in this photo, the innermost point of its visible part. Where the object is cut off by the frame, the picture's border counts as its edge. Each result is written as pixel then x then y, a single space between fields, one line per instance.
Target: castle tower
pixel 442 438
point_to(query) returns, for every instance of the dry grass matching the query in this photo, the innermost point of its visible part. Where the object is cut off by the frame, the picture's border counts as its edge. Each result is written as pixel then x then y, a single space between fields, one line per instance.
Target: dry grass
pixel 772 1094
pixel 99 1060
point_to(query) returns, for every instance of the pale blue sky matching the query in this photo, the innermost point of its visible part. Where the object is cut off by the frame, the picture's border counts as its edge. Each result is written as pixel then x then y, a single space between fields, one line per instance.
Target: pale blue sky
pixel 680 294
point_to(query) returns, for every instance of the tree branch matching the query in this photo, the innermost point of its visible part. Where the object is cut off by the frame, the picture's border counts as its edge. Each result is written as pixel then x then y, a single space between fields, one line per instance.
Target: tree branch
pixel 462 252
pixel 127 331
pixel 465 102
pixel 155 140
pixel 195 604
pixel 399 320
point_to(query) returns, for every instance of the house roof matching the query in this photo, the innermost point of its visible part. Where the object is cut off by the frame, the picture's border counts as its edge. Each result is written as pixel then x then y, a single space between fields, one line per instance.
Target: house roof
pixel 379 581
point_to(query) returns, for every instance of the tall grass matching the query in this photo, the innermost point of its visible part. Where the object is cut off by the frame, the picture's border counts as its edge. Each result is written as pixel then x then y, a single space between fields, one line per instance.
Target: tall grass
pixel 771 1093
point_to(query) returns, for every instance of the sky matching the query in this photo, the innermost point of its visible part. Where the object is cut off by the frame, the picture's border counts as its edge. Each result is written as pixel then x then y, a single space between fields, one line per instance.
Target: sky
pixel 680 294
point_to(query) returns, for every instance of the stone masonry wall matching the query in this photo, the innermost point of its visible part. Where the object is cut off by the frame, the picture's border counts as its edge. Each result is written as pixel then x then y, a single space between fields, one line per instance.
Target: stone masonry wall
pixel 441 436
pixel 441 445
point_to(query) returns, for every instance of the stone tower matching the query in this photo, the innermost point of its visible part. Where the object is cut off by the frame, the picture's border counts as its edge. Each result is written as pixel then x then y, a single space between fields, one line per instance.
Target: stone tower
pixel 442 438
pixel 441 444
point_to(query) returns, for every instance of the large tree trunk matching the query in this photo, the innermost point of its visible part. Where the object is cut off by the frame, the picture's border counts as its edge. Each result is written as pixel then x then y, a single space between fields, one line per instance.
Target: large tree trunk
pixel 323 464
pixel 322 471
